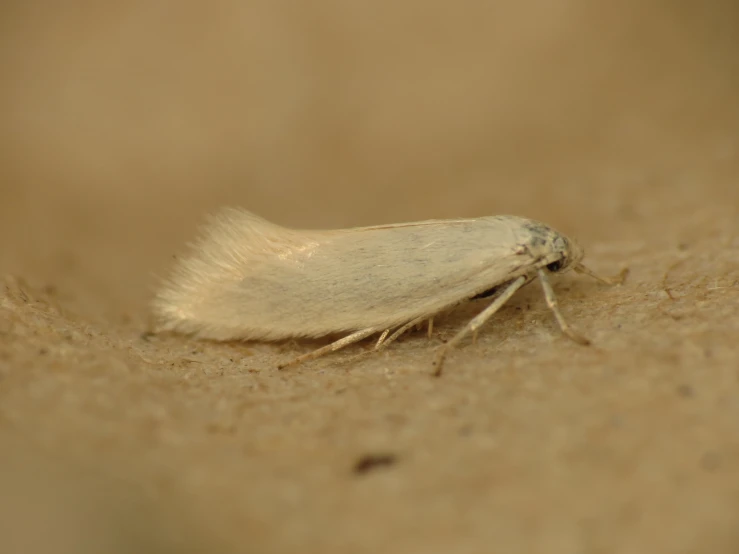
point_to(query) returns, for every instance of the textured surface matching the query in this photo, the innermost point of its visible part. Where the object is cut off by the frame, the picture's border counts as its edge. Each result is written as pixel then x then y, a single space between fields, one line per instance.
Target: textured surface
pixel 615 123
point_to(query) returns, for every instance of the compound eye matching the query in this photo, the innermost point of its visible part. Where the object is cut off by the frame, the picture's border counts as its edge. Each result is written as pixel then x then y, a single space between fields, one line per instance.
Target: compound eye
pixel 555 266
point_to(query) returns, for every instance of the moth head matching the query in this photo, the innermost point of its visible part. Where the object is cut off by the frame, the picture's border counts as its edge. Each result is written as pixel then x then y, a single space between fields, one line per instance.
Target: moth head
pixel 570 253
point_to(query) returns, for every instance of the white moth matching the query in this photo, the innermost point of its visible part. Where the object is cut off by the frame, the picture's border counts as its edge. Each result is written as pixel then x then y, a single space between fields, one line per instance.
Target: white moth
pixel 250 279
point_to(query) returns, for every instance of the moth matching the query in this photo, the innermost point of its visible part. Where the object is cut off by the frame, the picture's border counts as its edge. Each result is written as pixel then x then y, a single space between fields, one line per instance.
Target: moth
pixel 249 279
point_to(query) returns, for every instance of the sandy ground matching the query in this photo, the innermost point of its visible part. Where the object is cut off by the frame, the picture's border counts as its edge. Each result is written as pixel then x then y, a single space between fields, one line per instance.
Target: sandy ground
pixel 123 126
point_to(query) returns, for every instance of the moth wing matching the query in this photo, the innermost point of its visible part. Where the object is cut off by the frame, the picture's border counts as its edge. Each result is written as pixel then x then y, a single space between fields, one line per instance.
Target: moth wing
pixel 252 279
pixel 214 291
pixel 388 275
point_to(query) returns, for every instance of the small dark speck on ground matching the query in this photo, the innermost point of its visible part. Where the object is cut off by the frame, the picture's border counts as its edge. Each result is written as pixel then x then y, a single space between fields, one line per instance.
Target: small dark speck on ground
pixel 370 462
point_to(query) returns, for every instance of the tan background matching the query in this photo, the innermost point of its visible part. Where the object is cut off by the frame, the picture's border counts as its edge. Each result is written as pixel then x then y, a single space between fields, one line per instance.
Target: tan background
pixel 615 122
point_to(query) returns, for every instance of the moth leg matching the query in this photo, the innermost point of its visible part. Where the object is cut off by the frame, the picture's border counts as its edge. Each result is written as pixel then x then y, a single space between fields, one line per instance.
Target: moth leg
pixel 333 347
pixel 617 280
pixel 431 326
pixel 382 339
pixel 392 338
pixel 477 322
pixel 554 306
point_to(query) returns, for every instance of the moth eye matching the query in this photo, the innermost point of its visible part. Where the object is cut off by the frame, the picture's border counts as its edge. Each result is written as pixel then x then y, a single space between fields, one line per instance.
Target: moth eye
pixel 555 266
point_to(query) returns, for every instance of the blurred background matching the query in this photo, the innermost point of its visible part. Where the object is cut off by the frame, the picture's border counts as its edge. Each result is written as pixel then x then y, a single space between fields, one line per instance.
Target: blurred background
pixel 124 124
